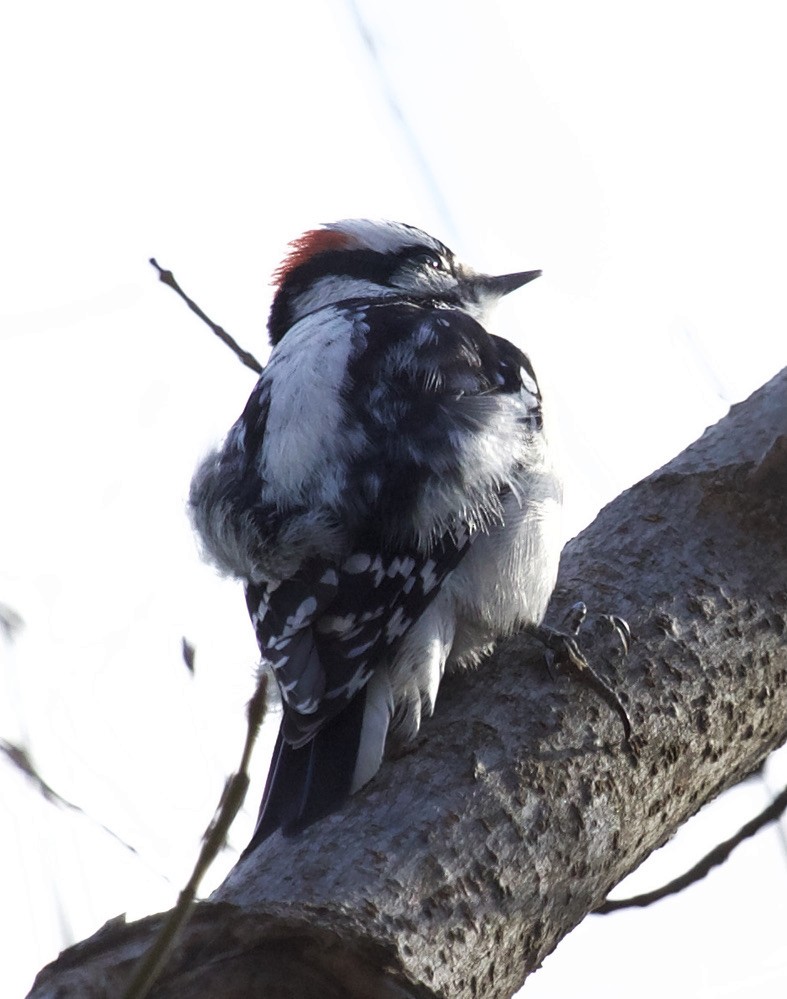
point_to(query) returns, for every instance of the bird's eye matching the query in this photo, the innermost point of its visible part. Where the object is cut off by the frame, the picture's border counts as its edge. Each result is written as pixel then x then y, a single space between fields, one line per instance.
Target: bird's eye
pixel 430 260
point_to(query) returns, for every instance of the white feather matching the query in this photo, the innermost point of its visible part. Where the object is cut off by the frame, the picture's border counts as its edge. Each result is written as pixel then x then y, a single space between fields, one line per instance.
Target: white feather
pixel 304 455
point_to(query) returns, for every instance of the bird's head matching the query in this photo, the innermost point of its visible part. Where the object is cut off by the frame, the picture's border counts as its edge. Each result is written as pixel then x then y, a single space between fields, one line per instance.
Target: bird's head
pixel 366 259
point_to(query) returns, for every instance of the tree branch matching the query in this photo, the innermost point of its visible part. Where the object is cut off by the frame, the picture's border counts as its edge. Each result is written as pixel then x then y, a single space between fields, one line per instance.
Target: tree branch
pixel 168 278
pixel 148 968
pixel 463 864
pixel 712 859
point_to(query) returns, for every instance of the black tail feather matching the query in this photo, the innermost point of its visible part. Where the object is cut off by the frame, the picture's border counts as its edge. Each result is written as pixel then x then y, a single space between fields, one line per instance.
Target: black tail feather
pixel 312 781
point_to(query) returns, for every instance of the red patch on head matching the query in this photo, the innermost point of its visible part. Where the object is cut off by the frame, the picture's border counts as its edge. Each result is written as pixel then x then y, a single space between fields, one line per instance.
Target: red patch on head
pixel 307 246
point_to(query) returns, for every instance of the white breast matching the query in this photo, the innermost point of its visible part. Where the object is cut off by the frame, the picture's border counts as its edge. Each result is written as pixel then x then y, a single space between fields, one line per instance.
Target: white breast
pixel 505 581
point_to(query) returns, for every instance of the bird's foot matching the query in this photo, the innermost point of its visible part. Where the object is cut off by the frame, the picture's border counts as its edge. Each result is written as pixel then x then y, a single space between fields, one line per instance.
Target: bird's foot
pixel 609 629
pixel 563 652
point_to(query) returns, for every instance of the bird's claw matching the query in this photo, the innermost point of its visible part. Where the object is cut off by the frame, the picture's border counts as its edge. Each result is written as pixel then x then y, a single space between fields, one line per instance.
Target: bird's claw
pixel 620 626
pixel 562 650
pixel 575 616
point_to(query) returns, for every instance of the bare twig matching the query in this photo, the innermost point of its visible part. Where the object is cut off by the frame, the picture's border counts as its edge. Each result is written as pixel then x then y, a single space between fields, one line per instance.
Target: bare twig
pixel 150 964
pixel 11 623
pixel 189 654
pixel 716 856
pixel 168 278
pixel 21 759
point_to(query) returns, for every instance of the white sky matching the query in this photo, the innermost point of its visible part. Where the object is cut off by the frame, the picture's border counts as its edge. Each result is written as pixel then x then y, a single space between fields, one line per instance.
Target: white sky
pixel 636 154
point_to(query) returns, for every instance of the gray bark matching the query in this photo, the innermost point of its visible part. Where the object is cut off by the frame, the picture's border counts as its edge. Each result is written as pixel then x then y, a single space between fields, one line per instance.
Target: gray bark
pixel 466 861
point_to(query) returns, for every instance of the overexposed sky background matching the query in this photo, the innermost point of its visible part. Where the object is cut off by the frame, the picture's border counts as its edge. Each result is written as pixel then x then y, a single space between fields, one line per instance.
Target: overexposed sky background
pixel 634 152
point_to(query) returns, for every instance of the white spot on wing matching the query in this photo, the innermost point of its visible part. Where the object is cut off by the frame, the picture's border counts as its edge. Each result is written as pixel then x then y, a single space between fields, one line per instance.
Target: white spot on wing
pixel 397 625
pixel 360 649
pixel 333 624
pixel 357 563
pixel 306 707
pixel 353 685
pixel 427 575
pixel 301 615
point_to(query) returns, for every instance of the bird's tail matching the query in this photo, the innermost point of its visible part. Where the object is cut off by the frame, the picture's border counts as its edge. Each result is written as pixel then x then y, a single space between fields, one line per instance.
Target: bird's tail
pixel 311 781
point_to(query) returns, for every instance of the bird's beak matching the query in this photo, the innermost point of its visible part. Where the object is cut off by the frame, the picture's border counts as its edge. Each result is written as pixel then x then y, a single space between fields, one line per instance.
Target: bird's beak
pixel 496 287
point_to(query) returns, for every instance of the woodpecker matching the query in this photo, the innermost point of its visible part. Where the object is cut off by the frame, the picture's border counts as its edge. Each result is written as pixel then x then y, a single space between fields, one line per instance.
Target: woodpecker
pixel 388 497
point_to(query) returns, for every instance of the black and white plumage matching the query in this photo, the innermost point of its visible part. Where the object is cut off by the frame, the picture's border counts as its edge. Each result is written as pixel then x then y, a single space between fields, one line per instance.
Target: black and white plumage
pixel 387 496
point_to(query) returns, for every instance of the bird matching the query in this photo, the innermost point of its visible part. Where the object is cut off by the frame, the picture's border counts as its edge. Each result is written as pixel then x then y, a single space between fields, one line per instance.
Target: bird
pixel 388 497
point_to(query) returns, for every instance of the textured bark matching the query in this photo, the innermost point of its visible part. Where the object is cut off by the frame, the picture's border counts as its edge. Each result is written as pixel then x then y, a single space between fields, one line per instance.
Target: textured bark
pixel 465 862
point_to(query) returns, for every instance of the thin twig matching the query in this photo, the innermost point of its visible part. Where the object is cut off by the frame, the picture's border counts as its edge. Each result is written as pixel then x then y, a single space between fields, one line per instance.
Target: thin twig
pixel 150 964
pixel 22 760
pixel 716 856
pixel 11 623
pixel 167 277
